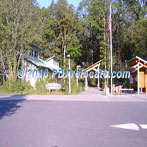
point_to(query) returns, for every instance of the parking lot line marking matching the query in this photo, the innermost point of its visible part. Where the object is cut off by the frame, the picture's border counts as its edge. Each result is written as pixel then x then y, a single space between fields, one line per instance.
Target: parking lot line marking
pixel 129 126
pixel 143 126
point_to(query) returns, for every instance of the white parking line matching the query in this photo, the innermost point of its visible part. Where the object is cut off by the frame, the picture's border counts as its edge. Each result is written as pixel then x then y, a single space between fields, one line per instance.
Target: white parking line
pixel 143 126
pixel 130 126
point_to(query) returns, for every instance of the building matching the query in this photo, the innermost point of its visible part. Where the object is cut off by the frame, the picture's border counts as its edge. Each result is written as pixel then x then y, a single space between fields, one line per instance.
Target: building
pixel 93 68
pixel 138 68
pixel 35 68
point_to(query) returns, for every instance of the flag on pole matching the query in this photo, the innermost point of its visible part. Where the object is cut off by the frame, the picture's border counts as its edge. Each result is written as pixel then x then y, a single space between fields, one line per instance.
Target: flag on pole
pixel 110 31
pixel 109 23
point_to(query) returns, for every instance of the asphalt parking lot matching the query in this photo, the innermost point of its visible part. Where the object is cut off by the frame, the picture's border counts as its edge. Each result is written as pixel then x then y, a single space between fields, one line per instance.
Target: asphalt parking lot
pixel 35 123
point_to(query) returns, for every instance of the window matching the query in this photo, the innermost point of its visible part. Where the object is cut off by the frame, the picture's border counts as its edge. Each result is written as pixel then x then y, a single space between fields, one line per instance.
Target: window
pixel 36 54
pixel 31 54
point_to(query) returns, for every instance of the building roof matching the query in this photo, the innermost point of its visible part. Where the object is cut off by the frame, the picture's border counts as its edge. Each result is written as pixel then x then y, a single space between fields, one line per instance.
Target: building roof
pixel 93 66
pixel 133 64
pixel 36 46
pixel 137 58
pixel 39 62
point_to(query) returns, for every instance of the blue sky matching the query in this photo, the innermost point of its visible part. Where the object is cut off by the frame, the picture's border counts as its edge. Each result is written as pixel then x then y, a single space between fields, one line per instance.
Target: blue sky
pixel 46 3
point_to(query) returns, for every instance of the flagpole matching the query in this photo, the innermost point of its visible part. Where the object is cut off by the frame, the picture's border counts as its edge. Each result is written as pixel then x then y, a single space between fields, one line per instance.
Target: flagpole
pixel 111 46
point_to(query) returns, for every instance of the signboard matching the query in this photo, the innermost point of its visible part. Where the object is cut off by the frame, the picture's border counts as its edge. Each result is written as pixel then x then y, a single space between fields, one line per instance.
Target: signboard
pixel 53 86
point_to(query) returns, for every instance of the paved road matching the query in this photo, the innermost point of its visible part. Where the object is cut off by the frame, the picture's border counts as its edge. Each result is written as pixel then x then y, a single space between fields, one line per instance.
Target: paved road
pixel 71 124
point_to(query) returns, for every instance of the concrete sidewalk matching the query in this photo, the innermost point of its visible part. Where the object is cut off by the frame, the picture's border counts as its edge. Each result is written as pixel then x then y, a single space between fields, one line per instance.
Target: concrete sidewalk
pixel 91 94
pixel 53 97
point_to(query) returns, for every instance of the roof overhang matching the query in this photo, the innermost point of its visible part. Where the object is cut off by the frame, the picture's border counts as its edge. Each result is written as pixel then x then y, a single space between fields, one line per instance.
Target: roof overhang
pixel 53 57
pixel 93 67
pixel 136 60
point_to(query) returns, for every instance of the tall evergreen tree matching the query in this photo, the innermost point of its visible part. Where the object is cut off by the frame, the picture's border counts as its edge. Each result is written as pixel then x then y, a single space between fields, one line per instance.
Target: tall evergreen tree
pixel 61 34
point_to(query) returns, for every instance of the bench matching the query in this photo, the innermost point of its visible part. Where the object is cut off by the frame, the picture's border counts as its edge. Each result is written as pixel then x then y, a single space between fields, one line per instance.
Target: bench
pixel 127 90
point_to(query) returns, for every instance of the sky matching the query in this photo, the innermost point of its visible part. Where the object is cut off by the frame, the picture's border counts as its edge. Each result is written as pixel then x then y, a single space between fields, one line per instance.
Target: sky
pixel 46 3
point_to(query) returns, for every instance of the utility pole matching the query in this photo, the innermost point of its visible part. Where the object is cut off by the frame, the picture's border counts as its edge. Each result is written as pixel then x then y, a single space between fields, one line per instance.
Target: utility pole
pixel 110 29
pixel 105 48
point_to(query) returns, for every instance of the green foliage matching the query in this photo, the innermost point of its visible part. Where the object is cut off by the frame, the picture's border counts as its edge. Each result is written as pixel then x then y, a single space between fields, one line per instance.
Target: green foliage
pixel 18 87
pixel 129 26
pixel 74 88
pixel 40 87
pixel 74 48
pixel 19 27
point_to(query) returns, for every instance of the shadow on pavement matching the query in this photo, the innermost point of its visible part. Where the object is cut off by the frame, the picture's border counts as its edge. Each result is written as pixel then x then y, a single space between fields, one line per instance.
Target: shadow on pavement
pixel 9 107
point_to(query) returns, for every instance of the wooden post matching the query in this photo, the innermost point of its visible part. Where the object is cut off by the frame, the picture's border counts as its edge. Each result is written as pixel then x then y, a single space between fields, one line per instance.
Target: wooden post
pixel 86 83
pixel 145 81
pixel 49 91
pixel 56 91
pixel 138 81
pixel 98 83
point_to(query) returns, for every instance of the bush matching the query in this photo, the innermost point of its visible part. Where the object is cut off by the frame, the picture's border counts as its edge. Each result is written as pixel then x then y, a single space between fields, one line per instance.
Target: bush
pixel 40 87
pixel 74 88
pixel 17 87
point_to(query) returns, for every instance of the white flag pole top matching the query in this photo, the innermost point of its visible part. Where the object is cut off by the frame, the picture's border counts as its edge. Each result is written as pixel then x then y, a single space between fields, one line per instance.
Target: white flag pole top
pixel 111 45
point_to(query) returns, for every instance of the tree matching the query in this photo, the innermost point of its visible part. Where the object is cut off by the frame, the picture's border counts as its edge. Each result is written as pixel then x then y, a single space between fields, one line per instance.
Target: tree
pixel 129 29
pixel 62 29
pixel 19 23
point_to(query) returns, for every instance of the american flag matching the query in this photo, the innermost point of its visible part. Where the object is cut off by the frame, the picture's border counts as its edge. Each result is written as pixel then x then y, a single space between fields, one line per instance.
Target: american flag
pixel 109 23
pixel 110 20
